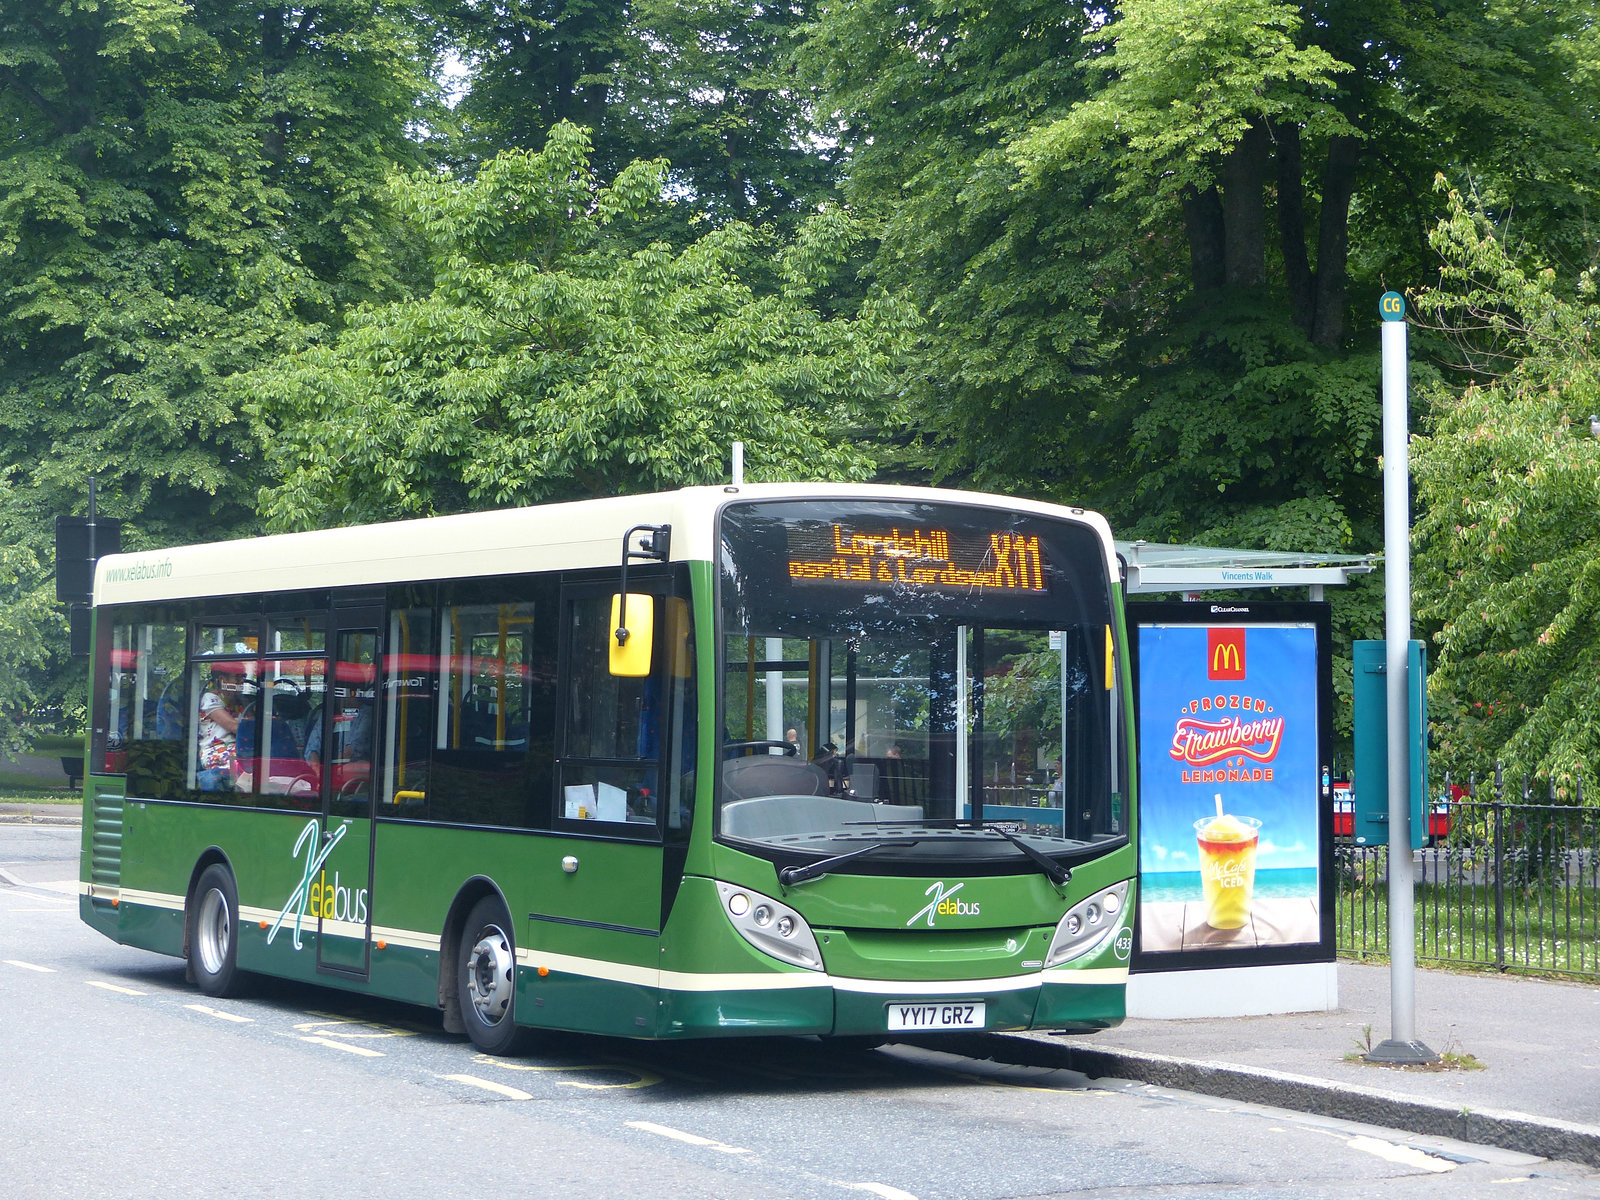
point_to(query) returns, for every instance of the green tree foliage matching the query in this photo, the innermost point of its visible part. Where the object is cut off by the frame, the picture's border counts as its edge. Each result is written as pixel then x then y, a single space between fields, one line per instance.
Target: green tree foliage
pixel 26 619
pixel 552 360
pixel 1508 541
pixel 1139 227
pixel 534 63
pixel 716 94
pixel 701 83
pixel 927 96
pixel 185 190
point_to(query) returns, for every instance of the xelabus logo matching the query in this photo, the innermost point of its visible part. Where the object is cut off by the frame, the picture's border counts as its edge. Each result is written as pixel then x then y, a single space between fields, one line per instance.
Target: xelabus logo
pixel 942 905
pixel 1225 653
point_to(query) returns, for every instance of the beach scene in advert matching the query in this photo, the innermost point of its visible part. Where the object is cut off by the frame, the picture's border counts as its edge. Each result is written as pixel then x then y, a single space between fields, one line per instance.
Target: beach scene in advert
pixel 1228 838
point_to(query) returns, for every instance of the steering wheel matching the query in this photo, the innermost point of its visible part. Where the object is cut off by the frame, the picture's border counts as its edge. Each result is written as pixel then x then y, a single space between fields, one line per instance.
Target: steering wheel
pixel 283 681
pixel 789 748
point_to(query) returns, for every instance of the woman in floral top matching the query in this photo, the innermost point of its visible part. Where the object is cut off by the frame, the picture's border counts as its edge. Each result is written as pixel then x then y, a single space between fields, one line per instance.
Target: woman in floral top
pixel 218 725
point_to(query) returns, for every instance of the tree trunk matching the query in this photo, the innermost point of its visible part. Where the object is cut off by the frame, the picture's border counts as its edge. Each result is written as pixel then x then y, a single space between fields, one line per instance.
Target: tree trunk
pixel 1202 221
pixel 1333 241
pixel 1292 227
pixel 1244 211
pixel 275 55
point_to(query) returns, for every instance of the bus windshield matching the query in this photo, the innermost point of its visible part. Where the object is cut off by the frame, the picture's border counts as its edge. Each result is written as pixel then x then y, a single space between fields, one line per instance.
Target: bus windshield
pixel 925 678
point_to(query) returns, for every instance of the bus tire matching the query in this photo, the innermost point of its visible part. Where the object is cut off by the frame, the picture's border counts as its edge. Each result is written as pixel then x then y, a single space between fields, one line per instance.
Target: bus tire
pixel 486 979
pixel 214 932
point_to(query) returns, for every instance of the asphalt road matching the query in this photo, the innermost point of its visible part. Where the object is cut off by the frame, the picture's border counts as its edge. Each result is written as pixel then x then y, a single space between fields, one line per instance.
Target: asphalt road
pixel 121 1080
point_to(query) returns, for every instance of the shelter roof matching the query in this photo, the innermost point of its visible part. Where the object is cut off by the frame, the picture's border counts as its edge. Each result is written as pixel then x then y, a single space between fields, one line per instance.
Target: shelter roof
pixel 1162 567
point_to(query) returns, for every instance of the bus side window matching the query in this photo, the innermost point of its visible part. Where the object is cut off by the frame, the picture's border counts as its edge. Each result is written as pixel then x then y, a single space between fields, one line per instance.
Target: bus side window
pixel 492 725
pixel 612 743
pixel 410 671
pixel 147 705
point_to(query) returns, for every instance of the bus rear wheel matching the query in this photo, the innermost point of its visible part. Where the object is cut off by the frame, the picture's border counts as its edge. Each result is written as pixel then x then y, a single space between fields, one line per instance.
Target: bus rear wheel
pixel 486 980
pixel 214 932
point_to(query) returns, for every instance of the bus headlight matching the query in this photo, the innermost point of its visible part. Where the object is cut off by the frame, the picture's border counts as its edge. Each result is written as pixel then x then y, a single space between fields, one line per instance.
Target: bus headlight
pixel 1088 925
pixel 771 927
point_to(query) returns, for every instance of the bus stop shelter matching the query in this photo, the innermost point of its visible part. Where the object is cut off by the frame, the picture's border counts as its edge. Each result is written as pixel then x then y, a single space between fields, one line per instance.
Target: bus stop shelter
pixel 1186 984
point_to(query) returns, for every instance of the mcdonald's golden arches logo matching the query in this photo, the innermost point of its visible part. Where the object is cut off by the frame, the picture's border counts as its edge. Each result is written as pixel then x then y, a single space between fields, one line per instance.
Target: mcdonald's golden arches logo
pixel 1225 653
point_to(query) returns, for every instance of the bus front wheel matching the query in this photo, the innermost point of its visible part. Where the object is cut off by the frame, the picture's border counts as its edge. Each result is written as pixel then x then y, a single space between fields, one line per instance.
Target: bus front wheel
pixel 214 932
pixel 486 979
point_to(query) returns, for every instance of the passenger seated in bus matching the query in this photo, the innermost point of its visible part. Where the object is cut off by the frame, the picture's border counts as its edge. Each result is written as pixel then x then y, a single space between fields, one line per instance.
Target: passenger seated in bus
pixel 244 745
pixel 282 744
pixel 169 712
pixel 350 744
pixel 216 731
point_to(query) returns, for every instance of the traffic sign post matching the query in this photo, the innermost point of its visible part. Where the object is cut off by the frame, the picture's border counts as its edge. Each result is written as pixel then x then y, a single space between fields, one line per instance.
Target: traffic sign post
pixel 80 543
pixel 1402 1046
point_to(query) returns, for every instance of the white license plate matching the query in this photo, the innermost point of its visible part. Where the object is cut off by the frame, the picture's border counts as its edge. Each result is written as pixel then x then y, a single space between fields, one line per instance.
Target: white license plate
pixel 944 1015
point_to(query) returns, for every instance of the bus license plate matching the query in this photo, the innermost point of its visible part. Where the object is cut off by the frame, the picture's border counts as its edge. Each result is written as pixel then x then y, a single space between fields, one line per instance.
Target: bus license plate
pixel 936 1016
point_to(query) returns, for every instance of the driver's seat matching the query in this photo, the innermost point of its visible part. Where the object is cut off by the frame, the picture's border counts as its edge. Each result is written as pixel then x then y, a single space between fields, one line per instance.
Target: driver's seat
pixel 771 775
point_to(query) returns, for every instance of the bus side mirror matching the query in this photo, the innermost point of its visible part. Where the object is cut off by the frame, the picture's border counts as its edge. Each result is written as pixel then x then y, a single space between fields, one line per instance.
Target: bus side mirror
pixel 631 642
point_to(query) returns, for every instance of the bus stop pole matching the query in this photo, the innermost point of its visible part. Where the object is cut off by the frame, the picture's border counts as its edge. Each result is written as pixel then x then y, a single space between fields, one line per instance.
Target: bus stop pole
pixel 1402 1046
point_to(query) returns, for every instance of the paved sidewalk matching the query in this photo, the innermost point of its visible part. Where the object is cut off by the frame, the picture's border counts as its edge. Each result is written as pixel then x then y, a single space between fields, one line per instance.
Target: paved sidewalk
pixel 30 813
pixel 1538 1041
pixel 46 768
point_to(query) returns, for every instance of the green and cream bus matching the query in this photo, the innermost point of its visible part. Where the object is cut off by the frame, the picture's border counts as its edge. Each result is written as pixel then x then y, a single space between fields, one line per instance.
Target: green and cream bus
pixel 788 759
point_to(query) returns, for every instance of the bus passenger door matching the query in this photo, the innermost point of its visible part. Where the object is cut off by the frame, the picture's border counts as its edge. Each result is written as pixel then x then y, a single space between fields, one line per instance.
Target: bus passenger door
pixel 600 887
pixel 343 744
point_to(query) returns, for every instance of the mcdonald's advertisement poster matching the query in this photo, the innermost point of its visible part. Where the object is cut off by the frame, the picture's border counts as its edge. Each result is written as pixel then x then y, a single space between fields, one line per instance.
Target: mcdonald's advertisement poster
pixel 1229 850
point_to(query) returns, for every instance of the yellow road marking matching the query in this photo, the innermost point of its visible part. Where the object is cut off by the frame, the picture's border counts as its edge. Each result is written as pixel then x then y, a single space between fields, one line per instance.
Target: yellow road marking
pixel 346 1046
pixel 1406 1156
pixel 487 1085
pixel 352 1027
pixel 641 1079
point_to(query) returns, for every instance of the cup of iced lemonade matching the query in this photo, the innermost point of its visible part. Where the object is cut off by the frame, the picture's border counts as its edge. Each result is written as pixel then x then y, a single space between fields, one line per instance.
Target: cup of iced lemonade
pixel 1227 866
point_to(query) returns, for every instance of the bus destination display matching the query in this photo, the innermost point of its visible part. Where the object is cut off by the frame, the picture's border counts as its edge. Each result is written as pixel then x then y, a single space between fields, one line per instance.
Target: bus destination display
pixel 932 559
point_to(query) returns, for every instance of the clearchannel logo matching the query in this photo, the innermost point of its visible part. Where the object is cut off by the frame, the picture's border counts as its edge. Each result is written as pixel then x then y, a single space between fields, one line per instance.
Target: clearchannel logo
pixel 942 905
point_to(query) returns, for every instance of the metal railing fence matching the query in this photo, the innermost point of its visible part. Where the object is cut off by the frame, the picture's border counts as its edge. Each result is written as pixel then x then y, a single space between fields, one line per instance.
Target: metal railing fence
pixel 1512 886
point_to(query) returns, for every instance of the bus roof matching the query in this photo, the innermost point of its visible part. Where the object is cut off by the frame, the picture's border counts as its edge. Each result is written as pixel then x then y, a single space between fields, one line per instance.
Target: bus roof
pixel 550 537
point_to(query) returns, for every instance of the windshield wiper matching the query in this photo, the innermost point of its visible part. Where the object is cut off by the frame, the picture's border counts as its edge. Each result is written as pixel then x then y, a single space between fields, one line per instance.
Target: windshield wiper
pixel 793 875
pixel 1054 871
